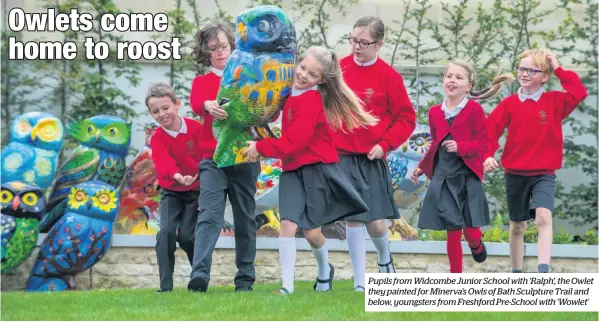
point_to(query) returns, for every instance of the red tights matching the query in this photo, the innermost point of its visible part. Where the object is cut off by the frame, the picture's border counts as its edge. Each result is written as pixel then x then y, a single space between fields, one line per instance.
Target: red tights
pixel 454 246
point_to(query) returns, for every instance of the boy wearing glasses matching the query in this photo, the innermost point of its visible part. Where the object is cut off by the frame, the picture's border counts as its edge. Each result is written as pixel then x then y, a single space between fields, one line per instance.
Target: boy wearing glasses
pixel 533 149
pixel 214 44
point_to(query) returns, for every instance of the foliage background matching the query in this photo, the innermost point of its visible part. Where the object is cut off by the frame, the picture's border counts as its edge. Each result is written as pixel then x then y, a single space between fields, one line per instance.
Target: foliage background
pixel 419 42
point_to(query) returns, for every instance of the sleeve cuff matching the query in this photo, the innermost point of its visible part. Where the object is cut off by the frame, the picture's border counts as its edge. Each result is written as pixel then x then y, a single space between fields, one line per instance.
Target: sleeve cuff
pixel 385 145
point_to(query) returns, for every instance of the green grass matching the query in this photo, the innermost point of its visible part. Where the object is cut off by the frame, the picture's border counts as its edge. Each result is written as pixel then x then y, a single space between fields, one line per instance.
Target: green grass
pixel 221 303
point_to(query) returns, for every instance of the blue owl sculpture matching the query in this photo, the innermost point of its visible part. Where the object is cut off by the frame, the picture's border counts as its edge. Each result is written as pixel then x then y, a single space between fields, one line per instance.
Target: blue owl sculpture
pixel 78 240
pixel 258 75
pixel 31 155
pixel 403 160
pixel 104 145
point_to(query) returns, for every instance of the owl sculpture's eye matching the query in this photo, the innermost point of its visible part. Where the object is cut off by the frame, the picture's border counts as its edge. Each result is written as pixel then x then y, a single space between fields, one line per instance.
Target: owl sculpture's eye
pixel 113 131
pixel 263 26
pixel 29 199
pixel 6 196
pixel 91 129
pixel 24 127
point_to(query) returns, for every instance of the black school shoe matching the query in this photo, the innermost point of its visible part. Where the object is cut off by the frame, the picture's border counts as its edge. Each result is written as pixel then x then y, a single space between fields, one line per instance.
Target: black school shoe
pixel 482 256
pixel 389 267
pixel 164 290
pixel 197 284
pixel 330 280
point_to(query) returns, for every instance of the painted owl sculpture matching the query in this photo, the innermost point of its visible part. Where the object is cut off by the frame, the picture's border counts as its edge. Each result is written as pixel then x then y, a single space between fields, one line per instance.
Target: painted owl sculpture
pixel 402 162
pixel 140 194
pixel 257 76
pixel 22 206
pixel 78 240
pixel 31 155
pixel 104 142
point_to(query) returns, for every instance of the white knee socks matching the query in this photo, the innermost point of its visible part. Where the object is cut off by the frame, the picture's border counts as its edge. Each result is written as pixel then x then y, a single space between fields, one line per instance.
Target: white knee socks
pixel 356 243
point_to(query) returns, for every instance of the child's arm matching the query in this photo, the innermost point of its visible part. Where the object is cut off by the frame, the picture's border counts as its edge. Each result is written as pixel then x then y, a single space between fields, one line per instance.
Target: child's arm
pixel 402 114
pixel 575 91
pixel 433 133
pixel 296 136
pixel 480 144
pixel 197 97
pixel 497 121
pixel 165 165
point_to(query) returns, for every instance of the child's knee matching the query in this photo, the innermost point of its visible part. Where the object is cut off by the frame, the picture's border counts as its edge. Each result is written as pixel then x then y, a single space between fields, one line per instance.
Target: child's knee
pixel 376 228
pixel 314 237
pixel 517 227
pixel 543 217
pixel 288 229
pixel 167 232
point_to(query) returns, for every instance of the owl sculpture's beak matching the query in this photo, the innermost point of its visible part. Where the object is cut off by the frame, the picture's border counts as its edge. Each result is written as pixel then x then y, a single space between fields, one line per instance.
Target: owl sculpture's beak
pixel 97 136
pixel 241 29
pixel 89 204
pixel 15 203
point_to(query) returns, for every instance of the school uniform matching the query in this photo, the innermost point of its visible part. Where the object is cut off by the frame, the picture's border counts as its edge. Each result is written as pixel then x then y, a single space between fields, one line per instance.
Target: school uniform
pixel 382 90
pixel 533 149
pixel 176 152
pixel 313 191
pixel 455 198
pixel 238 182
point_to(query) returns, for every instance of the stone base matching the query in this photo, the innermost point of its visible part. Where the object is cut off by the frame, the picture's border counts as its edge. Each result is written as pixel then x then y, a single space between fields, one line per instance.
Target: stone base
pixel 136 267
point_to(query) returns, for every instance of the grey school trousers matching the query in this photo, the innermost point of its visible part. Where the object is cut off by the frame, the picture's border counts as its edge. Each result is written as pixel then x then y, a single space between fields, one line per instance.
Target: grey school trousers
pixel 239 184
pixel 178 216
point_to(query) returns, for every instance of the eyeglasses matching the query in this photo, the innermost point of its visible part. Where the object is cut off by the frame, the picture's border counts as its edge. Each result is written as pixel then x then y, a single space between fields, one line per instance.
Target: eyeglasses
pixel 363 43
pixel 529 71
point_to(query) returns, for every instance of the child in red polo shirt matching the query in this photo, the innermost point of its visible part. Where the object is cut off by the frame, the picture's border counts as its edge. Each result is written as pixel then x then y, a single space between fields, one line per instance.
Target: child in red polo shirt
pixel 176 154
pixel 455 200
pixel 533 149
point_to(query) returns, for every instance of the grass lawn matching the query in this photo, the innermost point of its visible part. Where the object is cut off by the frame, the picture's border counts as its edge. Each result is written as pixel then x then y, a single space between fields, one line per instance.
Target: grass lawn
pixel 221 303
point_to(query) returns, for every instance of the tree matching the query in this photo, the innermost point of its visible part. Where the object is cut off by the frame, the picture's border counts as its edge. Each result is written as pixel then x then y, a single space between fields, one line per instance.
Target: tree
pixel 19 83
pixel 316 34
pixel 571 33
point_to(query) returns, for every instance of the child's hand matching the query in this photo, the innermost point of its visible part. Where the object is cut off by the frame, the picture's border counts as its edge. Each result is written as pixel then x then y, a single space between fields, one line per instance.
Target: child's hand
pixel 415 174
pixel 215 110
pixel 251 153
pixel 185 180
pixel 450 145
pixel 376 152
pixel 490 165
pixel 553 61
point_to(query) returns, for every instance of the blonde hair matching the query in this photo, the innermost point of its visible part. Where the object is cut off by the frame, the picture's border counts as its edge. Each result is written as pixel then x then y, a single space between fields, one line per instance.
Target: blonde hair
pixel 539 58
pixel 341 105
pixel 488 92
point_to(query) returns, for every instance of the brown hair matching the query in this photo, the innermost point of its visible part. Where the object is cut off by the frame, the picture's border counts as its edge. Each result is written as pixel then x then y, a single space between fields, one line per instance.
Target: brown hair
pixel 341 104
pixel 201 52
pixel 488 92
pixel 161 90
pixel 376 25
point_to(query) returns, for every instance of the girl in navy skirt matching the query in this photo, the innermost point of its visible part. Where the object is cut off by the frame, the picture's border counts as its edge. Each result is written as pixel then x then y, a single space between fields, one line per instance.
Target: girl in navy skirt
pixel 362 154
pixel 313 190
pixel 455 200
